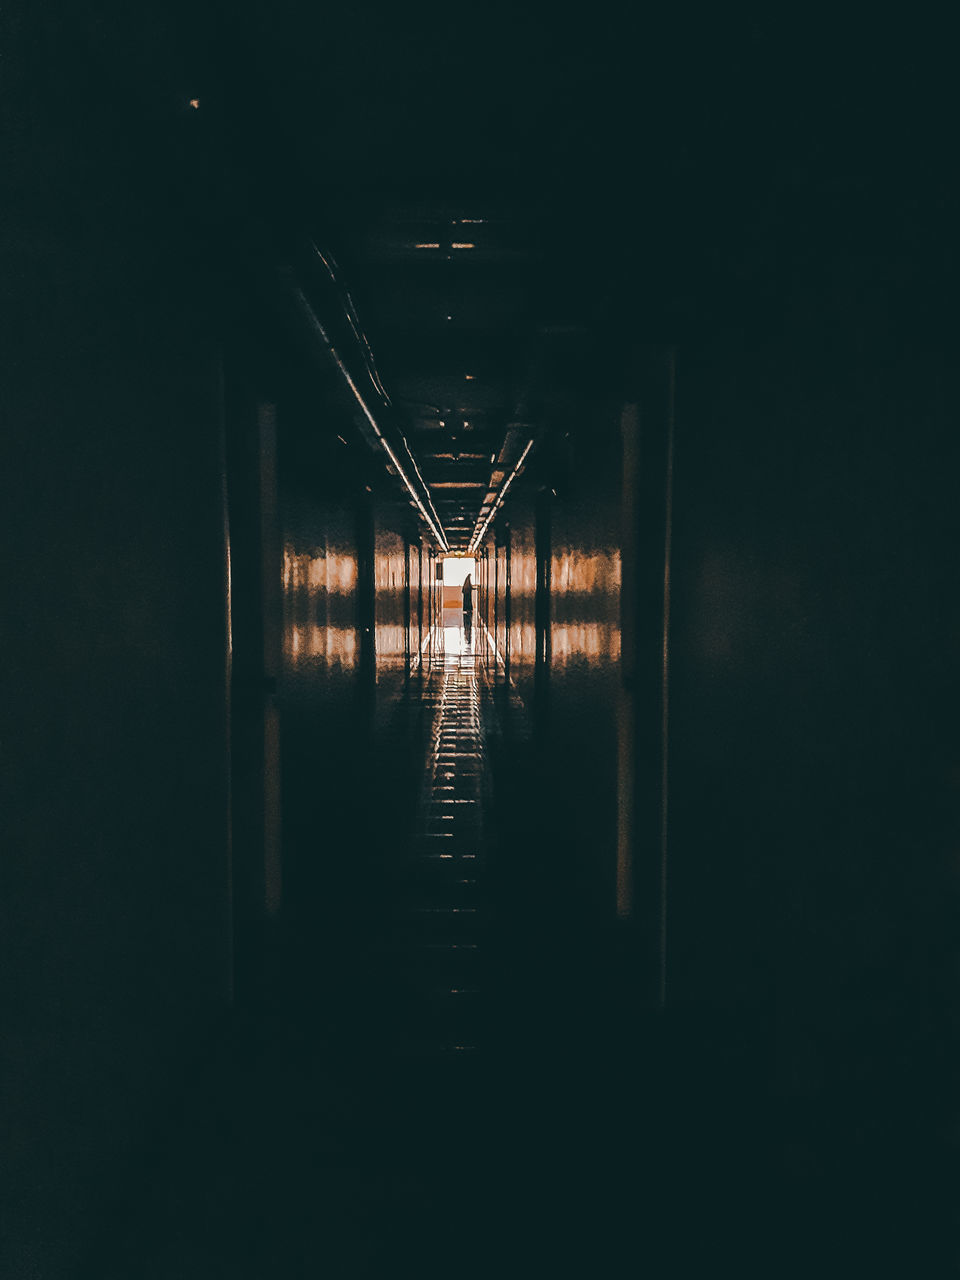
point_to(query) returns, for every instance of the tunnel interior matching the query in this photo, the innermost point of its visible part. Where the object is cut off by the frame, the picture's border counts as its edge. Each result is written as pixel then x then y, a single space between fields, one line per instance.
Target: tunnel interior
pixel 608 925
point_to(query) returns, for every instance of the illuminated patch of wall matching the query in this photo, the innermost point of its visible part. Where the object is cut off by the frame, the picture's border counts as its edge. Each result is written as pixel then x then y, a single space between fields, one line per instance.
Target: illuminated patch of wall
pixel 319 592
pixel 587 642
pixel 586 602
pixel 390 588
pixel 573 571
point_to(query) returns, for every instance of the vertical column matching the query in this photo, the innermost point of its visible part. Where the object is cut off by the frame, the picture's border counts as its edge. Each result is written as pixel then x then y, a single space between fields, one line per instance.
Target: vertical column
pixel 271 594
pixel 495 621
pixel 420 597
pixel 647 428
pixel 229 906
pixel 407 604
pixel 506 601
pixel 543 550
pixel 256 605
pixel 366 598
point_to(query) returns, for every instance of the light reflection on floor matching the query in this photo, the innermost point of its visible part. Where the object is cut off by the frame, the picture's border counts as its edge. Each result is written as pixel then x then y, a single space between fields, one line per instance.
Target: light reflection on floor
pixel 458 641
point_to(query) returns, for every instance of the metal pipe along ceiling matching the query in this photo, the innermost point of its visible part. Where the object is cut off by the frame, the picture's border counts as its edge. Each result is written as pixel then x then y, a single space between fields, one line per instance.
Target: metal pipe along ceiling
pixel 408 472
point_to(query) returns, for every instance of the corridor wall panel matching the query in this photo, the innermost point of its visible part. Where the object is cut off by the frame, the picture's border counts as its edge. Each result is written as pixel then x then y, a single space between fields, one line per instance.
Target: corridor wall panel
pixel 351 599
pixel 815 704
pixel 584 671
pixel 322 716
pixel 519 636
pixel 391 612
pixel 115 940
pixel 570 693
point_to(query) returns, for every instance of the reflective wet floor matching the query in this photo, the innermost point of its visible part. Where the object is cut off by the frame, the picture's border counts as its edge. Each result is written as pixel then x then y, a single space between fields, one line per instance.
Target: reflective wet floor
pixel 435 947
pixel 443 1075
pixel 346 1122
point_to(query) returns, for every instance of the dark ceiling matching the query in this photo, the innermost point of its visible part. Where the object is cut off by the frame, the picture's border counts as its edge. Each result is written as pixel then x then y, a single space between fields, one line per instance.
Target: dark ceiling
pixel 457 306
pixel 465 175
pixel 492 182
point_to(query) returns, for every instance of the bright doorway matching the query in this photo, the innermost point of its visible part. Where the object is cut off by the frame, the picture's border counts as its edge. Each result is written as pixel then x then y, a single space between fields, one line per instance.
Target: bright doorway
pixel 457 625
pixel 455 571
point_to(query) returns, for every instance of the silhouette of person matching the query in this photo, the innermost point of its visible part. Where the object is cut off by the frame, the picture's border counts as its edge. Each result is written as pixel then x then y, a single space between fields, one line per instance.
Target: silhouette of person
pixel 468 608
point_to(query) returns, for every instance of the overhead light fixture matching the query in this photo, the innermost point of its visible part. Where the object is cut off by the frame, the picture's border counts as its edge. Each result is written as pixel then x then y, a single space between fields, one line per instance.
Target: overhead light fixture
pixel 195 103
pixel 457 244
pixel 469 377
pixel 426 246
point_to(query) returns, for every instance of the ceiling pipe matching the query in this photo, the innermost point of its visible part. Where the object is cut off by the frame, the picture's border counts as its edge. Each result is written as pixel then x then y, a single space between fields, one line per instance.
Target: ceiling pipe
pixel 350 311
pixel 499 482
pixel 515 436
pixel 482 527
pixel 407 470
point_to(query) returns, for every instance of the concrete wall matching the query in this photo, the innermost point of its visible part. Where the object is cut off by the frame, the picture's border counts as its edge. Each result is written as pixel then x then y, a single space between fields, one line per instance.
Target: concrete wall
pixel 133 393
pixel 116 931
pixel 351 605
pixel 814 697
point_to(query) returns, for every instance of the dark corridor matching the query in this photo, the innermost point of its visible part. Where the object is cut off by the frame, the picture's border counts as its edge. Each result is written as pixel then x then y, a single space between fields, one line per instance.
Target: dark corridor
pixel 616 931
pixel 436 1074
